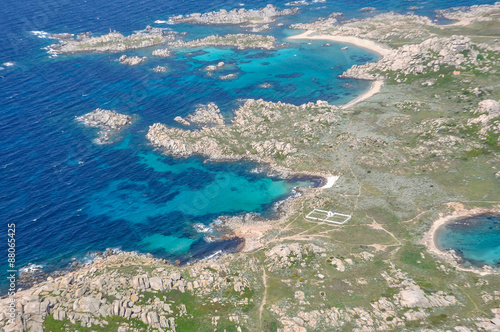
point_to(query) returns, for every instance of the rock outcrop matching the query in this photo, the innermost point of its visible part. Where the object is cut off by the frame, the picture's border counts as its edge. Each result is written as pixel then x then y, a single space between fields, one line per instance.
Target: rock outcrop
pixel 132 60
pixel 488 119
pixel 236 16
pixel 205 115
pixel 126 285
pixel 108 121
pixel 162 53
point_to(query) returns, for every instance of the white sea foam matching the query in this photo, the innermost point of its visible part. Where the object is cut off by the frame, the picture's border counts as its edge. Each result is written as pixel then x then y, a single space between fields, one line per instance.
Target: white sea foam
pixel 41 34
pixel 8 63
pixel 214 255
pixel 31 268
pixel 161 22
pixel 200 228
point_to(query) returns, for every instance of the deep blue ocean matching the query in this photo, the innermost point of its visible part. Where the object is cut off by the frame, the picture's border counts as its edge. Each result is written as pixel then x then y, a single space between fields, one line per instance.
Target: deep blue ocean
pixel 68 196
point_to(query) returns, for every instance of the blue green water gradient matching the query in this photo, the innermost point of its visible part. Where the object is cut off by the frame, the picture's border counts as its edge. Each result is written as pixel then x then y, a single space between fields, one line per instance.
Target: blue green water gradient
pixel 68 196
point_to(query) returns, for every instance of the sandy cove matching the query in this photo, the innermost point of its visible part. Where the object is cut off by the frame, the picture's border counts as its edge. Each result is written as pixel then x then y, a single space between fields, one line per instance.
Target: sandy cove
pixel 364 43
pixel 460 212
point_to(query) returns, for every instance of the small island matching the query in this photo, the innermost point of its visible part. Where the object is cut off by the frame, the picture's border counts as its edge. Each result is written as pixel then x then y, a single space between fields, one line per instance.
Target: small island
pixel 236 16
pixel 110 122
pixel 112 42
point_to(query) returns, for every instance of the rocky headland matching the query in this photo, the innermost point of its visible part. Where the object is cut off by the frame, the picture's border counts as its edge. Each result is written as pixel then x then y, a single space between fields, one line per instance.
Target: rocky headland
pixel 236 16
pixel 110 122
pixel 259 131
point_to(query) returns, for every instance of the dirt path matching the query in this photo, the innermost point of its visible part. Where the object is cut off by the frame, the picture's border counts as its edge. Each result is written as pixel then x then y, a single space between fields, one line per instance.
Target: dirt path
pixel 264 296
pixel 376 225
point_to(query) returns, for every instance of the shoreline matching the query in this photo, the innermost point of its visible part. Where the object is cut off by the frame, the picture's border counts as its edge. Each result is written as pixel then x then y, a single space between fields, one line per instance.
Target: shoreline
pixel 374 89
pixel 429 239
pixel 380 49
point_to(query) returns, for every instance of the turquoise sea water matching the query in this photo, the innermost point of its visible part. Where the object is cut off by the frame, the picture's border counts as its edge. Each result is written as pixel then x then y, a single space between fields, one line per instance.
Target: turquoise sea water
pixel 68 196
pixel 476 239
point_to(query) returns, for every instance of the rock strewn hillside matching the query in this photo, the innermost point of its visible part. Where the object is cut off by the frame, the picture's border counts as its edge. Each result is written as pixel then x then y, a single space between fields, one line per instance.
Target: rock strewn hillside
pixel 432 55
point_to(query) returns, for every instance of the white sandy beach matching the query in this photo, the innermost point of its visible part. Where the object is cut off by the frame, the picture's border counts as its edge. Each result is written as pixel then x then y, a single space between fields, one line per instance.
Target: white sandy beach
pixel 330 182
pixel 368 44
pixel 375 88
pixel 364 43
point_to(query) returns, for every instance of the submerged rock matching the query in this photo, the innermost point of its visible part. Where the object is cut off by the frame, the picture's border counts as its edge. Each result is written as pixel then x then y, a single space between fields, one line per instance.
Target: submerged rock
pixel 160 69
pixel 228 77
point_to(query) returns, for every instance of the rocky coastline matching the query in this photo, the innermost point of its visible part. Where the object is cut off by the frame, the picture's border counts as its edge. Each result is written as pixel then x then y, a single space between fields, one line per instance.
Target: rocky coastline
pixel 205 115
pixel 89 296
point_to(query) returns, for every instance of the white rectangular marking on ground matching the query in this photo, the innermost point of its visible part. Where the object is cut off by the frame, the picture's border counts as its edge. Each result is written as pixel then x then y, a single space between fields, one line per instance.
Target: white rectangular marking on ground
pixel 329 216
